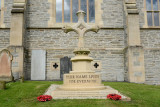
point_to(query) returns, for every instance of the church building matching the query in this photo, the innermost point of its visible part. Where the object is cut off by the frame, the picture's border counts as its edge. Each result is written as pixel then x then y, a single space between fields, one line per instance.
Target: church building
pixel 126 47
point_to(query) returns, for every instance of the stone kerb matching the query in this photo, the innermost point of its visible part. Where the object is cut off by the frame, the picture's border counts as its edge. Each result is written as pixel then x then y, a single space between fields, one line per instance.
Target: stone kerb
pixel 5 67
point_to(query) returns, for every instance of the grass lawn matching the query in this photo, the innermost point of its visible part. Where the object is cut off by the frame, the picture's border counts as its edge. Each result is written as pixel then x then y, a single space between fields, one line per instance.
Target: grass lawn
pixel 24 95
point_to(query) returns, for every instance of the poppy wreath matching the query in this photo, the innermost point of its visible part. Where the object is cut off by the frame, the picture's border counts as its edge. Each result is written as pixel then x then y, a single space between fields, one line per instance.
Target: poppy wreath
pixel 114 97
pixel 44 98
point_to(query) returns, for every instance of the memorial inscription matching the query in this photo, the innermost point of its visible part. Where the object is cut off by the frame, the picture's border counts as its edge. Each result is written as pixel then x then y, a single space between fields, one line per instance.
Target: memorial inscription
pixel 82 81
pixel 82 78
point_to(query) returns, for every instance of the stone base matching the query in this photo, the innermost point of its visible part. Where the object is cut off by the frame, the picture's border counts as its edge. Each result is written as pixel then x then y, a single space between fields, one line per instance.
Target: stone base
pixel 2 85
pixel 56 93
pixel 82 81
pixel 7 79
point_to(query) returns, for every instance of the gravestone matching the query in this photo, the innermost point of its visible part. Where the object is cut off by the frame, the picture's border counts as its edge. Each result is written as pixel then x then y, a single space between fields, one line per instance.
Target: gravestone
pixel 65 66
pixel 5 68
pixel 38 63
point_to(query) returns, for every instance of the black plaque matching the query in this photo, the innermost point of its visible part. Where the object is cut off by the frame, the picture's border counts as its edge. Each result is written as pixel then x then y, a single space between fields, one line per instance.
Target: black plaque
pixel 66 66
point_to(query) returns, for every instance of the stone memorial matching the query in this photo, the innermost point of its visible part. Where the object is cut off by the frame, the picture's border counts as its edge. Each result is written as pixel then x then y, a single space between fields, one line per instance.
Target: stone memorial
pixel 81 82
pixel 82 77
pixel 5 68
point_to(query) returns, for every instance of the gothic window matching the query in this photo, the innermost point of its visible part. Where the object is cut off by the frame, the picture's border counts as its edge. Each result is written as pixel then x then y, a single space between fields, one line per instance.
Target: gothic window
pixel 153 12
pixel 66 10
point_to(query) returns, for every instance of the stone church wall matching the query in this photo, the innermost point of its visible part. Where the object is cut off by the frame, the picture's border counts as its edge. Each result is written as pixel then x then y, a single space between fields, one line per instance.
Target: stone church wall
pixel 140 6
pixel 4 38
pixel 58 44
pixel 37 13
pixel 106 46
pixel 38 16
pixel 150 38
pixel 112 13
pixel 7 13
pixel 152 68
pixel 151 42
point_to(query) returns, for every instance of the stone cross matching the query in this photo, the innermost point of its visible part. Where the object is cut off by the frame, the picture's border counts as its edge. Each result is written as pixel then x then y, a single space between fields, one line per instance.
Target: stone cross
pixel 80 28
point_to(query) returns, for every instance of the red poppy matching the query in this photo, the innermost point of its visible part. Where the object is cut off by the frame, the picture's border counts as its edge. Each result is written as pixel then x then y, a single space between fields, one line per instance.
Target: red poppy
pixel 114 96
pixel 44 98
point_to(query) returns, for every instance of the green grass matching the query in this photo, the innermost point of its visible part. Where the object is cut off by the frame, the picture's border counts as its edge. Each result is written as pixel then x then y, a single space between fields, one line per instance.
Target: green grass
pixel 24 95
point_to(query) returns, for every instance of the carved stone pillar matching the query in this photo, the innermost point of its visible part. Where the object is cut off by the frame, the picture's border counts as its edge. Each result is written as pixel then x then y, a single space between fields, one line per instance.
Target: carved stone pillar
pixel 134 51
pixel 16 37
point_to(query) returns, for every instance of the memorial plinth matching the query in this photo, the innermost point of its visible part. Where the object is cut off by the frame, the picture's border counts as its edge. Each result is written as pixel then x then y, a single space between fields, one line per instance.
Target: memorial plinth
pixel 82 77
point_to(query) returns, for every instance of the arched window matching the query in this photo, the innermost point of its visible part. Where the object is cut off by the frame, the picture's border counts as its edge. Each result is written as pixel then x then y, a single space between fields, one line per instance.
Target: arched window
pixel 66 10
pixel 153 12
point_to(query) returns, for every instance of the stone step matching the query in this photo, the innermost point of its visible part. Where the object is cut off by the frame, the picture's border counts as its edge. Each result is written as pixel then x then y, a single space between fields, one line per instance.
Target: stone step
pixel 56 93
pixel 78 95
pixel 81 93
pixel 79 98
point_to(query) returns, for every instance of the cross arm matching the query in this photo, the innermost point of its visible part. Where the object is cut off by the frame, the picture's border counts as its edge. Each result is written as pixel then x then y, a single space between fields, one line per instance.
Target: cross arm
pixel 94 29
pixel 67 29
